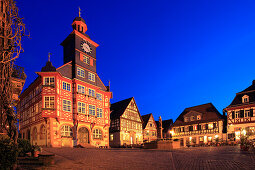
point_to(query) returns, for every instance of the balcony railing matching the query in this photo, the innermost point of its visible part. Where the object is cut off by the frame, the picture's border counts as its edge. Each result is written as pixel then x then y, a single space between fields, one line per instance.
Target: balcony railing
pixel 197 132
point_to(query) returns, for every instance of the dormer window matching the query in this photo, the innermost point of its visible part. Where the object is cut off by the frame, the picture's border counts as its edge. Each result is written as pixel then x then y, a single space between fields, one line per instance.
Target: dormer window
pixel 245 99
pixel 198 117
pixel 193 118
pixel 186 119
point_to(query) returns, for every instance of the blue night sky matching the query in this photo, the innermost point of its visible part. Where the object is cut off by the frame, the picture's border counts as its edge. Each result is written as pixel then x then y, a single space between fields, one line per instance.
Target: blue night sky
pixel 168 54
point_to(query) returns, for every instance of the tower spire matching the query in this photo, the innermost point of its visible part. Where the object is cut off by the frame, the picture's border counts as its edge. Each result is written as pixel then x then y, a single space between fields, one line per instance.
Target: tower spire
pixel 49 56
pixel 79 12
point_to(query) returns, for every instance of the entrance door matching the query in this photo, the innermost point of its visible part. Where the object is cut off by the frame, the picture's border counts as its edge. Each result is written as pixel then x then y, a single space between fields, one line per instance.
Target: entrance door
pixel 181 142
pixel 83 135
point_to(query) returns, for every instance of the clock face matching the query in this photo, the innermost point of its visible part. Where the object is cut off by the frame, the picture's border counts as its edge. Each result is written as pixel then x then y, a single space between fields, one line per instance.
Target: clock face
pixel 86 47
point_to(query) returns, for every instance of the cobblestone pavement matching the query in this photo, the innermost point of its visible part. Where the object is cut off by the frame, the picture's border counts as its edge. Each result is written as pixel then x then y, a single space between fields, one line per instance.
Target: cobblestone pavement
pixel 225 157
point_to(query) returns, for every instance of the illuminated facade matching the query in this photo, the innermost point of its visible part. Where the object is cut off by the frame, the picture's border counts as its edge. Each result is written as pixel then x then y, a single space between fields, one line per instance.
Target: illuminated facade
pixel 149 128
pixel 69 105
pixel 240 113
pixel 201 124
pixel 126 124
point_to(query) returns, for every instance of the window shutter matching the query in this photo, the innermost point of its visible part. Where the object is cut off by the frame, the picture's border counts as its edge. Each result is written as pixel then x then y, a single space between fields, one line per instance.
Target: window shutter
pixel 241 113
pixel 251 112
pixel 233 114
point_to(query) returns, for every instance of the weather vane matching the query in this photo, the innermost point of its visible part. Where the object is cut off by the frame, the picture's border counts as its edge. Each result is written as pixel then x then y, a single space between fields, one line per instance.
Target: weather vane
pixel 49 56
pixel 79 12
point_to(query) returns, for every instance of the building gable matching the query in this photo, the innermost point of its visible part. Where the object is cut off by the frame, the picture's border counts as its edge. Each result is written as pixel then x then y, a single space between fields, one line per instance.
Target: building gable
pixel 132 112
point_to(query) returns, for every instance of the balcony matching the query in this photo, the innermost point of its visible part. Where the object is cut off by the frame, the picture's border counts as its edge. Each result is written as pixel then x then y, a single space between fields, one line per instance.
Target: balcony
pixel 197 132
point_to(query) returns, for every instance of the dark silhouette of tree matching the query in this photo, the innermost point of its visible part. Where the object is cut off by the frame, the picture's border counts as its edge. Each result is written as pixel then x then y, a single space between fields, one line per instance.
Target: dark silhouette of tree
pixel 12 29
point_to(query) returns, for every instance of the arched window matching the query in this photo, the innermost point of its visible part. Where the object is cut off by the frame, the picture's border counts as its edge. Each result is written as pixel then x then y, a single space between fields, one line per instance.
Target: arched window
pixel 34 135
pixel 66 131
pixel 42 132
pixel 97 134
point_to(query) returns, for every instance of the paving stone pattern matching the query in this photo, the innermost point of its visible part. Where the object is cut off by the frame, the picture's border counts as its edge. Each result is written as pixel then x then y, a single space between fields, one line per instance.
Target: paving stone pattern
pixel 201 158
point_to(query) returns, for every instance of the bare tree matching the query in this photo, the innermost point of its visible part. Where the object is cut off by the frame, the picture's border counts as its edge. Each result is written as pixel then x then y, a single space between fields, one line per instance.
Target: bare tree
pixel 12 29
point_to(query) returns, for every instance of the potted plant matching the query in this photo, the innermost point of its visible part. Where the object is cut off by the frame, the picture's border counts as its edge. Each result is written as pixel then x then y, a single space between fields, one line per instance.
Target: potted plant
pixel 36 150
pixel 244 143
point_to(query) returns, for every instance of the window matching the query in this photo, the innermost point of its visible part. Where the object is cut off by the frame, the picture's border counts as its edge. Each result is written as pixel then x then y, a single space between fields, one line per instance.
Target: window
pixel 91 76
pixel 97 134
pixel 111 137
pixel 92 110
pixel 99 112
pixel 66 86
pixel 247 113
pixel 195 127
pixel 245 99
pixel 150 124
pixel 237 114
pixel 81 89
pixel 86 59
pixel 81 107
pixel 49 81
pixel 99 96
pixel 66 131
pixel 186 119
pixel 34 134
pixel 49 102
pixel 210 126
pixel 80 72
pixel 193 118
pixel 67 105
pixel 42 132
pixel 92 92
pixel 198 117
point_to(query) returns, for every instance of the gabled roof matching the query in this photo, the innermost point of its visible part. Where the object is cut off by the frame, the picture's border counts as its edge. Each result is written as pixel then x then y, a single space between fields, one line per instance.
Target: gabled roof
pixel 167 124
pixel 118 108
pixel 208 112
pixel 250 91
pixel 48 67
pixel 146 119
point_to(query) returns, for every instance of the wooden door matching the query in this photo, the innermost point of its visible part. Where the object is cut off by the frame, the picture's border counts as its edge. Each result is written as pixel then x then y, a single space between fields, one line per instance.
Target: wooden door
pixel 83 135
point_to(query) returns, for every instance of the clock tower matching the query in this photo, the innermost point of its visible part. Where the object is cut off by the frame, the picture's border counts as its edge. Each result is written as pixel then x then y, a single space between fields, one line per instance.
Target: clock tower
pixel 78 47
pixel 80 50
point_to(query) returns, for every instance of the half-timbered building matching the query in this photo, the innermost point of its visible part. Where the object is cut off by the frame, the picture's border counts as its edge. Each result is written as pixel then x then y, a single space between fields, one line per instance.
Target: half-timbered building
pixel 201 124
pixel 149 128
pixel 240 113
pixel 68 105
pixel 126 124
